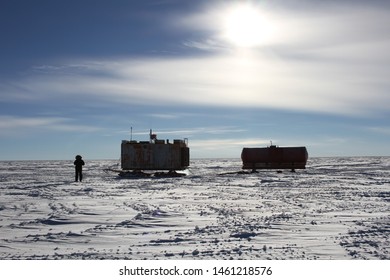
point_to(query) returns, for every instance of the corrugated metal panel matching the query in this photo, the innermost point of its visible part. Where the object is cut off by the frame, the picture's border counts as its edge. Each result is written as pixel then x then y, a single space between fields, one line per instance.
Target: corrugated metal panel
pixel 274 158
pixel 154 156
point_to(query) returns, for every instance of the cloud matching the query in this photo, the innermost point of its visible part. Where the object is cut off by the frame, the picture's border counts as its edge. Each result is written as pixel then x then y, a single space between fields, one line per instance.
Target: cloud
pixel 11 125
pixel 251 80
pixel 295 23
pixel 331 60
pixel 193 131
pixel 163 116
pixel 206 45
pixel 385 130
pixel 223 148
pixel 228 143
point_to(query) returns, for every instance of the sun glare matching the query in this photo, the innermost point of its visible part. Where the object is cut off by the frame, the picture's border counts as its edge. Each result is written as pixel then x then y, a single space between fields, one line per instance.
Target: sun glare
pixel 246 26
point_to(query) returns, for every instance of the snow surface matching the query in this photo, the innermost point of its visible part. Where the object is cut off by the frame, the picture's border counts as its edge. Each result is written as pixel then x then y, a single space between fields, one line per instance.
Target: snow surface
pixel 338 208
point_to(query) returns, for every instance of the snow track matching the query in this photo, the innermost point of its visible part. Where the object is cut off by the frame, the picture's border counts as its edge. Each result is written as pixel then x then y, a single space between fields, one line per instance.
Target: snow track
pixel 338 208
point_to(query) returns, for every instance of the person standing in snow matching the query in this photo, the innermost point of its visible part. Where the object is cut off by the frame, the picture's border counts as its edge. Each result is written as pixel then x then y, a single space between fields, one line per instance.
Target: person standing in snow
pixel 79 168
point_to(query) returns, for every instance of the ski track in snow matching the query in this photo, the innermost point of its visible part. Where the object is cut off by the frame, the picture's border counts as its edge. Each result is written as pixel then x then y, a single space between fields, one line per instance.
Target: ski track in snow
pixel 338 208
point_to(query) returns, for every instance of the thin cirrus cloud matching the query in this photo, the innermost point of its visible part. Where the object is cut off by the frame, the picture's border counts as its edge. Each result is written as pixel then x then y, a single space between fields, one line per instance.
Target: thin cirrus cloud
pixel 11 125
pixel 224 81
pixel 332 60
pixel 321 71
pixel 329 61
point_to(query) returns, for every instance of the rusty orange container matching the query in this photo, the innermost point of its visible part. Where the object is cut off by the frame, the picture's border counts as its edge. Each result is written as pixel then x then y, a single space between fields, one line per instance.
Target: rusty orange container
pixel 274 157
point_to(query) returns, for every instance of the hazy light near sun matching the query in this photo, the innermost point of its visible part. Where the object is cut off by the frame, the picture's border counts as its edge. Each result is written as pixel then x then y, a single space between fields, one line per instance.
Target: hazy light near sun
pixel 246 26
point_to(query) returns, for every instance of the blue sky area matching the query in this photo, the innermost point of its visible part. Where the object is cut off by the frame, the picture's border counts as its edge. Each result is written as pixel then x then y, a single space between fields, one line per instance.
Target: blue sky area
pixel 76 75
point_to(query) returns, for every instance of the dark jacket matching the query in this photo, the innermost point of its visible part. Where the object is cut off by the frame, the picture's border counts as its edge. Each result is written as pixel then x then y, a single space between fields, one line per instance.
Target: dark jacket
pixel 79 164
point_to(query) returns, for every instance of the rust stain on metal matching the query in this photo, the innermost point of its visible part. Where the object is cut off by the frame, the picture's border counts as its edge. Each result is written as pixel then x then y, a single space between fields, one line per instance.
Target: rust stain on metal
pixel 274 158
pixel 154 154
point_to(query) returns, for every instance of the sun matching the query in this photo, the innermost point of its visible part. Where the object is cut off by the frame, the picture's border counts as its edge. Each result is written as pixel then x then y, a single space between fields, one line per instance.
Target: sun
pixel 246 26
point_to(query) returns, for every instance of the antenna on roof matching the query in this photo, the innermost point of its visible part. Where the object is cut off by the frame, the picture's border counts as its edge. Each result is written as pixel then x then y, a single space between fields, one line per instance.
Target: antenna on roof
pixel 131 133
pixel 153 136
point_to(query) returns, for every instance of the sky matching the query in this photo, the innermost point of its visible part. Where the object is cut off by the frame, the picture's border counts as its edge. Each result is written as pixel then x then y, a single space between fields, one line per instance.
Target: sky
pixel 80 76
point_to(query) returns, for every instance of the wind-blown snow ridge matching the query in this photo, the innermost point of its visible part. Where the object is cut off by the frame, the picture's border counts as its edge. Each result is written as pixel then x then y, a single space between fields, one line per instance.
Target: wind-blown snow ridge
pixel 338 208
